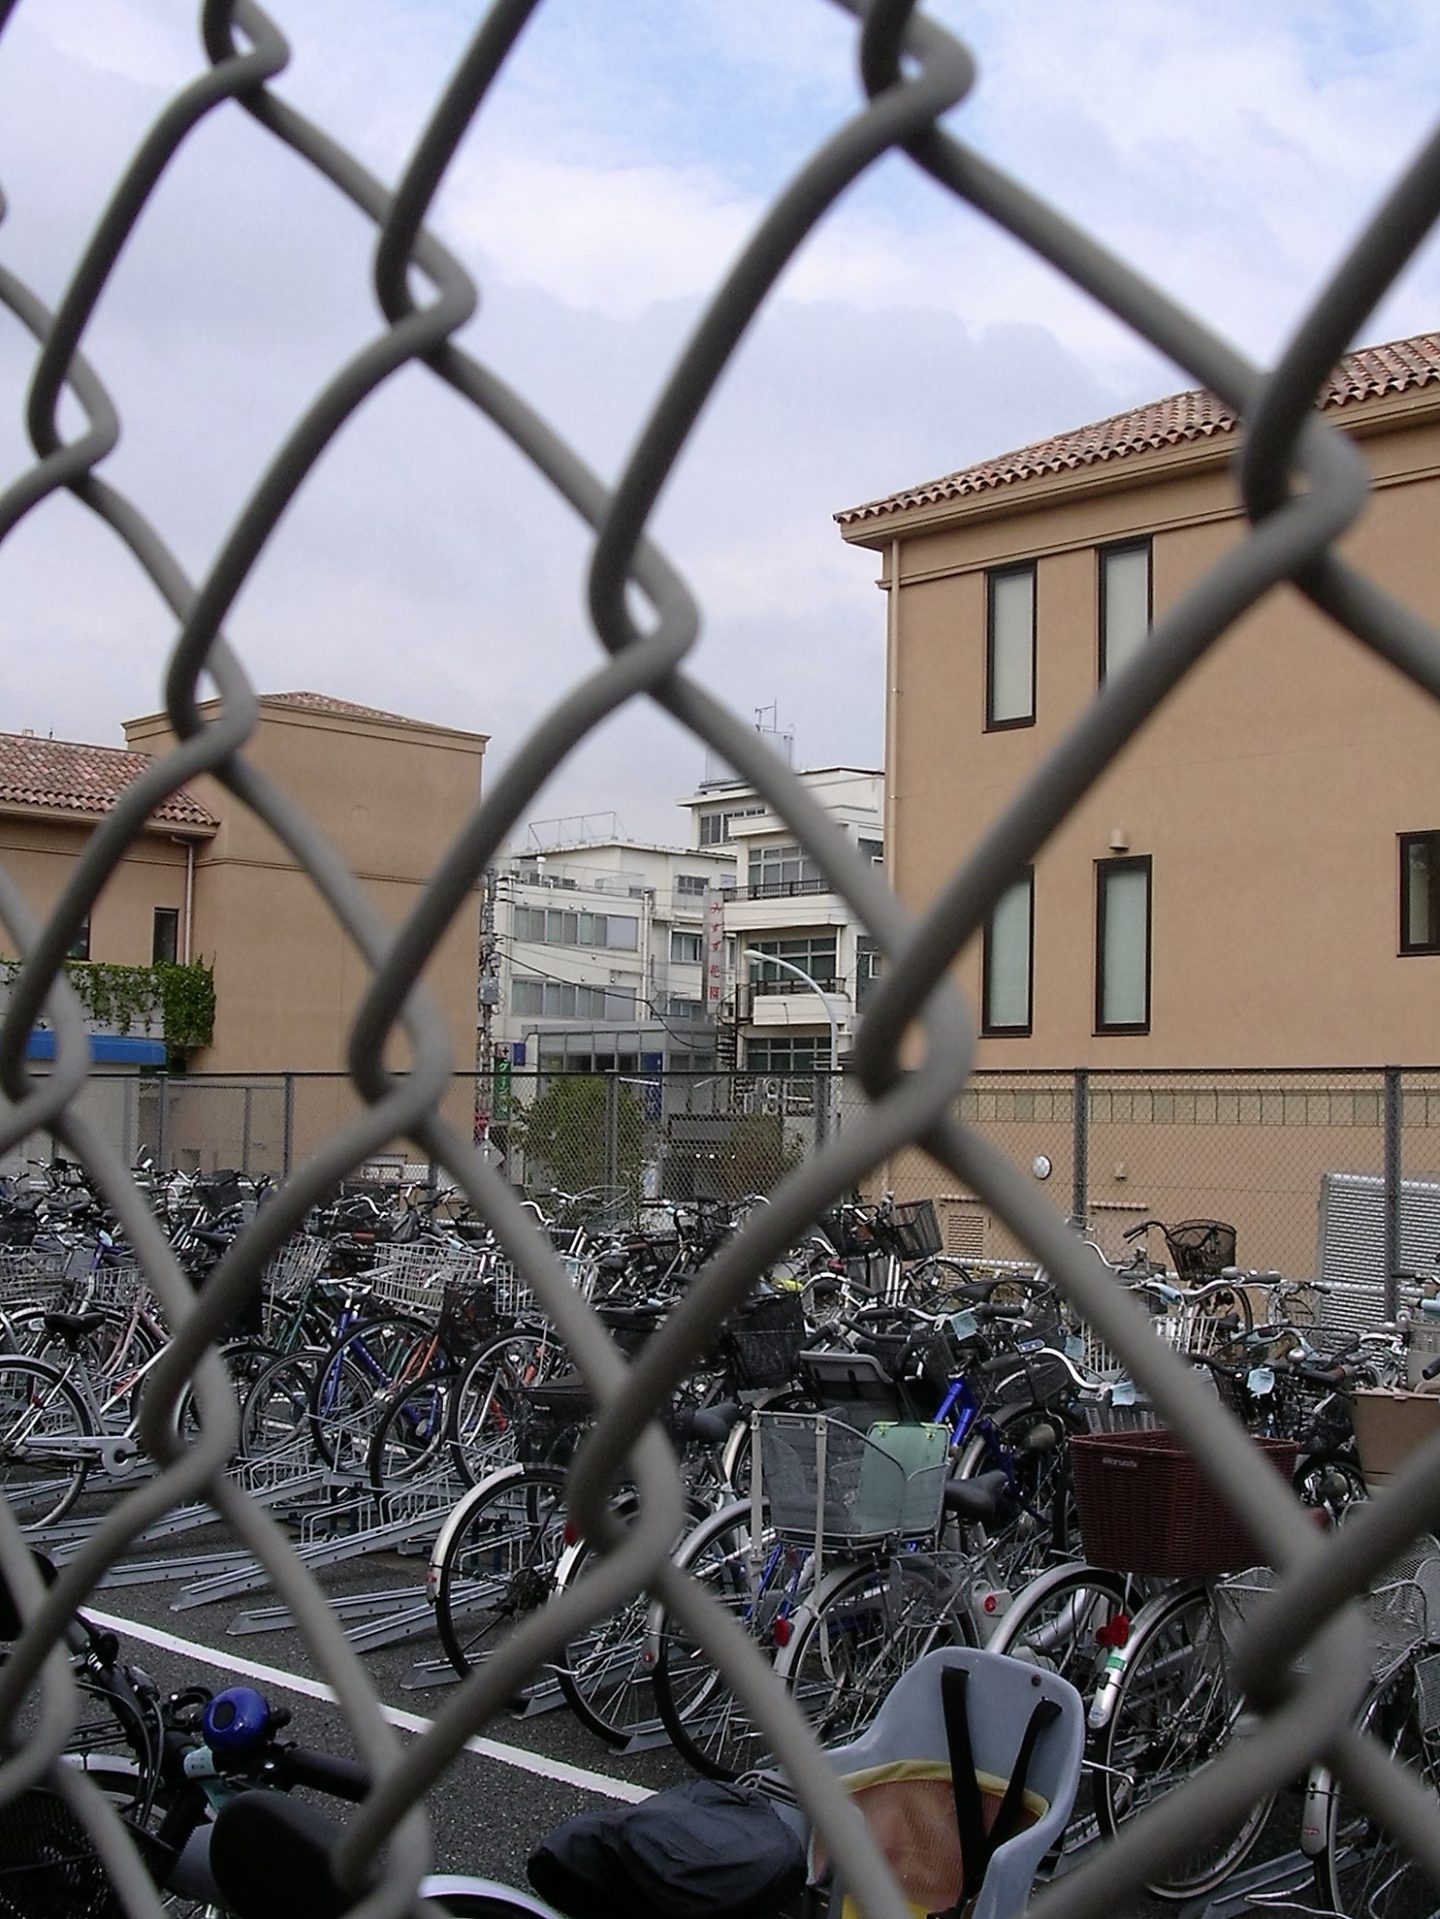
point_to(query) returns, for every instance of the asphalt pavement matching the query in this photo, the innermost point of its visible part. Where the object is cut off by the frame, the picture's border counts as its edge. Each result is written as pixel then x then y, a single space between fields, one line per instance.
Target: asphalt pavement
pixel 520 1778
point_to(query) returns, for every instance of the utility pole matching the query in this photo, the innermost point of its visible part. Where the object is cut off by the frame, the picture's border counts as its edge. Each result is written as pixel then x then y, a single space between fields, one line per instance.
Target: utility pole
pixel 487 995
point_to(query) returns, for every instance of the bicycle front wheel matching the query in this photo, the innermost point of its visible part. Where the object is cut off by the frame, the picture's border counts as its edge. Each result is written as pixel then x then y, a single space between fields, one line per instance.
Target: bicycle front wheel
pixel 43 1427
pixel 760 1582
pixel 1361 1871
pixel 862 1633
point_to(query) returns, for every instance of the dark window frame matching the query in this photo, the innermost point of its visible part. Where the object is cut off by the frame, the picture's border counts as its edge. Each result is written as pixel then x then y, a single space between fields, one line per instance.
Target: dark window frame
pixel 1143 544
pixel 171 916
pixel 1411 948
pixel 79 948
pixel 1103 869
pixel 995 574
pixel 987 1027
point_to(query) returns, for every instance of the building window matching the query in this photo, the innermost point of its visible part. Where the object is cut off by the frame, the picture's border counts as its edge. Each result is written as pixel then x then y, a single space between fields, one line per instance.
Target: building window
pixel 715 827
pixel 558 999
pixel 1126 609
pixel 813 953
pixel 1122 945
pixel 1010 648
pixel 80 945
pixel 1420 892
pixel 676 1008
pixel 776 872
pixel 797 1053
pixel 871 850
pixel 867 969
pixel 1007 959
pixel 165 936
pixel 691 885
pixel 551 926
pixel 686 949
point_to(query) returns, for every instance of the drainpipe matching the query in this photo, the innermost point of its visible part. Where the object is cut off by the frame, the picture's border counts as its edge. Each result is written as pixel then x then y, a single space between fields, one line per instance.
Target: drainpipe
pixel 892 725
pixel 189 914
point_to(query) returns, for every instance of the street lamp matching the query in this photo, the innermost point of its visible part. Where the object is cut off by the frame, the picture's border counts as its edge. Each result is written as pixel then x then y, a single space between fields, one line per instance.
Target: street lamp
pixel 754 958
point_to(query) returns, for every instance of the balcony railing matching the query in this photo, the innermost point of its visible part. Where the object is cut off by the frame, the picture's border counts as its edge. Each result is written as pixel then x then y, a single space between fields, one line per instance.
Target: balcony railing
pixel 777 985
pixel 783 889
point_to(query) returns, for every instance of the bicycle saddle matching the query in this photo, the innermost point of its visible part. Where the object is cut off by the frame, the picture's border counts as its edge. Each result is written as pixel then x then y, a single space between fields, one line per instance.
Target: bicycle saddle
pixel 978 1498
pixel 72 1327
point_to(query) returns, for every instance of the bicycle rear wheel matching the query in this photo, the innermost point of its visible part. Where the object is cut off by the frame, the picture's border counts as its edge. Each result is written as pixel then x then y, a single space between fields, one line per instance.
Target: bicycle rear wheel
pixel 1174 1711
pixel 495 1560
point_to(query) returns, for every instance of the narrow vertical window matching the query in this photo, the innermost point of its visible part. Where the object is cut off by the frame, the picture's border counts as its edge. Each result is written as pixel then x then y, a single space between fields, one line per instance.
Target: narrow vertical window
pixel 1010 648
pixel 80 945
pixel 165 936
pixel 1122 945
pixel 1007 959
pixel 1420 892
pixel 1126 608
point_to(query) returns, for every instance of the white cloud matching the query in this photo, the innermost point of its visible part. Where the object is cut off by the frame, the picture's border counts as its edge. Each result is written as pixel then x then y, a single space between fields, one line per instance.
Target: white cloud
pixel 616 240
pixel 627 155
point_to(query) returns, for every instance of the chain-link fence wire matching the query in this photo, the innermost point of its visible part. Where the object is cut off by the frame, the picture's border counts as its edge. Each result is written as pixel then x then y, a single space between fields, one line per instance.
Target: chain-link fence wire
pixel 1303 485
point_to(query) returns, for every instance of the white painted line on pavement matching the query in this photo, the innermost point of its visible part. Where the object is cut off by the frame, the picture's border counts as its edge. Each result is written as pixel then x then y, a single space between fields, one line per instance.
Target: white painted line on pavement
pixel 517 1756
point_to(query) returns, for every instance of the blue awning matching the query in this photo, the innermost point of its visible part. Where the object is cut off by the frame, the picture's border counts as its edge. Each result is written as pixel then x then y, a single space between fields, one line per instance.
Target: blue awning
pixel 106 1049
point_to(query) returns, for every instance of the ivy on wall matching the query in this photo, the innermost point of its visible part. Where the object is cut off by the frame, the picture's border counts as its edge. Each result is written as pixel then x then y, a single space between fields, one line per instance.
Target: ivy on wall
pixel 180 998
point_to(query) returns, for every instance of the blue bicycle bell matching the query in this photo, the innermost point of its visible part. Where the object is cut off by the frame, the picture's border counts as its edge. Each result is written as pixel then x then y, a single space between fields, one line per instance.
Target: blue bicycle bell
pixel 236 1720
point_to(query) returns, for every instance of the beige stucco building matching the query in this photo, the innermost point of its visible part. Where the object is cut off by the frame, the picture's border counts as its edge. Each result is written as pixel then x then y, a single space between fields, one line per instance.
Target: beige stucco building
pixel 1256 879
pixel 206 880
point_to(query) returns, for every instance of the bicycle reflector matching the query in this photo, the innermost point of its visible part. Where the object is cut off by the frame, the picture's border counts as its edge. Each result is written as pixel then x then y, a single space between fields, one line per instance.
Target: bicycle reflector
pixel 236 1720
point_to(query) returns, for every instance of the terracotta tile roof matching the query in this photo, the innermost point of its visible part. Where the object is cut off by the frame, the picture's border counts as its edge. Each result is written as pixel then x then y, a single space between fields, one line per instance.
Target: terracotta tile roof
pixel 1364 375
pixel 344 709
pixel 85 780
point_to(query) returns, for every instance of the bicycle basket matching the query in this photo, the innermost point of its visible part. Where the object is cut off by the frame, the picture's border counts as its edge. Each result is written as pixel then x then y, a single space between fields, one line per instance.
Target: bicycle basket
pixel 49 1868
pixel 766 1341
pixel 552 1415
pixel 910 1230
pixel 824 1477
pixel 468 1319
pixel 1200 1248
pixel 1146 1507
pixel 1395 1611
pixel 1038 1377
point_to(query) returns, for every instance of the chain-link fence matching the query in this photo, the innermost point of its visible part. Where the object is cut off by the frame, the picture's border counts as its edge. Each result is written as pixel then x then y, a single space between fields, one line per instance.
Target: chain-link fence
pixel 1302 485
pixel 1331 1173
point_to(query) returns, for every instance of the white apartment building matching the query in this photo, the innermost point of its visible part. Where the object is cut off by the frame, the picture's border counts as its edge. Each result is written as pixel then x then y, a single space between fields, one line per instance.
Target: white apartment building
pixel 797 1014
pixel 594 953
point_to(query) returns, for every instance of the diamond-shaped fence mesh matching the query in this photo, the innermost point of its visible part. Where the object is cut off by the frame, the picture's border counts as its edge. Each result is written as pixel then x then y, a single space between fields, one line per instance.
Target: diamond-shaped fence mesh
pixel 1303 486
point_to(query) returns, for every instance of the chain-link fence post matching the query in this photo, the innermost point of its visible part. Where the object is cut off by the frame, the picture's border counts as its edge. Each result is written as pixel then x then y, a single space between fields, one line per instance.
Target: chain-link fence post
pixel 612 1133
pixel 1392 1190
pixel 162 1122
pixel 1080 1153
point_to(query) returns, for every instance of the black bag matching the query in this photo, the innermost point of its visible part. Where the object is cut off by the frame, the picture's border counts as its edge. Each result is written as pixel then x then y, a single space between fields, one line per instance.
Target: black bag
pixel 700 1849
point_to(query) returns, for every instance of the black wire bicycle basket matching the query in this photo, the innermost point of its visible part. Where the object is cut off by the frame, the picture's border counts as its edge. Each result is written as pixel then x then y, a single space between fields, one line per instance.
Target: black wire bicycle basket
pixel 1200 1248
pixel 763 1345
pixel 910 1229
pixel 49 1868
pixel 468 1319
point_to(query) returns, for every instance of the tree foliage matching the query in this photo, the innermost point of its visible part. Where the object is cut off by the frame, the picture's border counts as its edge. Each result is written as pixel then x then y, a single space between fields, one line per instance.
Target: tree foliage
pixel 585 1131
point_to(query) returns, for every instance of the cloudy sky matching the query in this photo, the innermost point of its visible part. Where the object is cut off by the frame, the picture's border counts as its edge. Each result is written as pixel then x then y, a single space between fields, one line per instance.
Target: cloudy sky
pixel 1230 150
